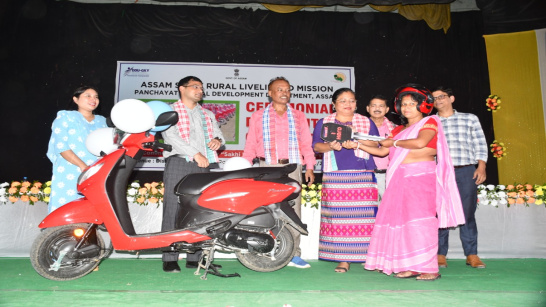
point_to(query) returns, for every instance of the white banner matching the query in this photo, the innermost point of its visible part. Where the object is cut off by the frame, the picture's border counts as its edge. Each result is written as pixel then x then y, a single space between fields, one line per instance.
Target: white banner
pixel 233 92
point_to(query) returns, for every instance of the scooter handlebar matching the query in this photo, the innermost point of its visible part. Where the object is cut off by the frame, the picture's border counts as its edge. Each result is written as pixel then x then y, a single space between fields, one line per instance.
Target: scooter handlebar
pixel 165 147
pixel 156 145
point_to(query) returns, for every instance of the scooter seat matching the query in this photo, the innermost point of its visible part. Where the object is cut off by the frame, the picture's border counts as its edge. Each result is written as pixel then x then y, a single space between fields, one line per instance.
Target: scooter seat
pixel 196 183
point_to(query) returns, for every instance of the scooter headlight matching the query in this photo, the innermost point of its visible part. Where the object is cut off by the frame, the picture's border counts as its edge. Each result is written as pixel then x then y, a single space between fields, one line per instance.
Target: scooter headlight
pixel 89 172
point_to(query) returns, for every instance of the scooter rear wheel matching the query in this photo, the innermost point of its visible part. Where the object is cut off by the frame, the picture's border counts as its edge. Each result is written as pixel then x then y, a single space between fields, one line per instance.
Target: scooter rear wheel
pixel 284 252
pixel 50 246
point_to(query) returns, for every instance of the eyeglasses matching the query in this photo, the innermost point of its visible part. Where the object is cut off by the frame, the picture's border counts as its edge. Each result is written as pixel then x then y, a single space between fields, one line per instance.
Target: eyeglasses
pixel 195 87
pixel 441 97
pixel 346 101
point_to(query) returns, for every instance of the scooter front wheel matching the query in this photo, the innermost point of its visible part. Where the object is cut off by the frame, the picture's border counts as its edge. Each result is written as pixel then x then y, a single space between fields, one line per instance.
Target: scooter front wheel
pixel 283 253
pixel 51 254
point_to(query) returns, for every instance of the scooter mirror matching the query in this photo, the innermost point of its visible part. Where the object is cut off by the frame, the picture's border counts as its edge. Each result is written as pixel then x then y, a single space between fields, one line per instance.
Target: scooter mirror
pixel 110 123
pixel 167 118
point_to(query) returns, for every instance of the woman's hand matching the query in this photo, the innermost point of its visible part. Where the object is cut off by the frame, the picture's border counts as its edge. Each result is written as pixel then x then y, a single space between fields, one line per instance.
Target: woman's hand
pixel 335 145
pixel 350 145
pixel 368 143
pixel 387 143
pixel 71 157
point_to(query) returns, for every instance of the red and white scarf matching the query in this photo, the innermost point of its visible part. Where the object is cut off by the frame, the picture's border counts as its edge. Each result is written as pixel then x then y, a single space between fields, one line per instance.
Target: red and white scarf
pixel 389 124
pixel 183 126
pixel 360 124
pixel 269 133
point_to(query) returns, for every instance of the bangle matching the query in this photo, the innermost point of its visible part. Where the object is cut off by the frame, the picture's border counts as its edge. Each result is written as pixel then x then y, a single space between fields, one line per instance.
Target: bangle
pixel 357 145
pixel 394 144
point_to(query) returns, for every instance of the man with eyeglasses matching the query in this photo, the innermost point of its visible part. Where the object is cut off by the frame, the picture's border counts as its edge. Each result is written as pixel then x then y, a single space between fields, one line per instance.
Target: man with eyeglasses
pixel 278 135
pixel 194 139
pixel 467 147
pixel 377 108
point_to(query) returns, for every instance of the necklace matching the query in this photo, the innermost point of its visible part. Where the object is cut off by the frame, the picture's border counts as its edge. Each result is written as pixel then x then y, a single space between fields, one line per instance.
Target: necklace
pixel 349 123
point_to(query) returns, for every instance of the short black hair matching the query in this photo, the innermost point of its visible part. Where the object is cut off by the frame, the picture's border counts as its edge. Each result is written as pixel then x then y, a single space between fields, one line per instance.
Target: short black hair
pixel 341 91
pixel 380 97
pixel 276 79
pixel 444 89
pixel 184 81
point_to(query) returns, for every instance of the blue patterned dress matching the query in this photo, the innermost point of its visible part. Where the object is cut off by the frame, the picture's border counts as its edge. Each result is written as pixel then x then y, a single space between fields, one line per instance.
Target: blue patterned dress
pixel 69 131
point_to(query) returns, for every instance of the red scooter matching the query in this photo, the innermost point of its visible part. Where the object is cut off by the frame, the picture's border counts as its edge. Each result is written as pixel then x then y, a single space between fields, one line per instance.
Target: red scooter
pixel 245 212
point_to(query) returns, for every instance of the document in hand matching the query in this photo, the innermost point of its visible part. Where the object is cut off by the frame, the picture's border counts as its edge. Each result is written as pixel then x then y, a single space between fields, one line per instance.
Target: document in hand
pixel 335 132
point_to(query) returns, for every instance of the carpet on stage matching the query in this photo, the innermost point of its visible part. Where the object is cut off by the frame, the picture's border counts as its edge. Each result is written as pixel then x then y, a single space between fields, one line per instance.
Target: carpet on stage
pixel 141 282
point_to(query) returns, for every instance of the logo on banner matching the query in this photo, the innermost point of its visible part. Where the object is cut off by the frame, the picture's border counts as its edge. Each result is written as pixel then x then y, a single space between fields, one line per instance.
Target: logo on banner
pixel 136 72
pixel 236 75
pixel 340 77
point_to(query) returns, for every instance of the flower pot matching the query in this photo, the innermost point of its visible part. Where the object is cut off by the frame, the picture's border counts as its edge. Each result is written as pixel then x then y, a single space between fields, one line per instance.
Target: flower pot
pixel 309 243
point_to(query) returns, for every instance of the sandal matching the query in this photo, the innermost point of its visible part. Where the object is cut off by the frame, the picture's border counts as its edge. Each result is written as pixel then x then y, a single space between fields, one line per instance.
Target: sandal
pixel 342 269
pixel 412 274
pixel 429 277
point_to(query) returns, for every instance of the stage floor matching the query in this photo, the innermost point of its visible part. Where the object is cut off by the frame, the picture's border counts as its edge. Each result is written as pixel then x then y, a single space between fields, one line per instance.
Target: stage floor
pixel 139 282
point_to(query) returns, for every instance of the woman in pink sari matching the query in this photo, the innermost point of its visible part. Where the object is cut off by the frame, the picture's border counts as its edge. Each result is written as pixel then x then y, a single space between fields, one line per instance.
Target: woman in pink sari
pixel 421 194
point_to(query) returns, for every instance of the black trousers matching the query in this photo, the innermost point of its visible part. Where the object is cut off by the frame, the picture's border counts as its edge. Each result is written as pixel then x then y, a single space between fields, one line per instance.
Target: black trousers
pixel 468 232
pixel 176 168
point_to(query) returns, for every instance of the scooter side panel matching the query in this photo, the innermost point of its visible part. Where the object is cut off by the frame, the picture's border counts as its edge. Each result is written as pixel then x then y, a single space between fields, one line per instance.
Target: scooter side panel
pixel 243 196
pixel 78 211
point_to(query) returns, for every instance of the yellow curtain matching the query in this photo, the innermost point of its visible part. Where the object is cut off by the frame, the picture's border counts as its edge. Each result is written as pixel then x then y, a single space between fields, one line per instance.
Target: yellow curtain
pixel 437 16
pixel 514 75
pixel 283 8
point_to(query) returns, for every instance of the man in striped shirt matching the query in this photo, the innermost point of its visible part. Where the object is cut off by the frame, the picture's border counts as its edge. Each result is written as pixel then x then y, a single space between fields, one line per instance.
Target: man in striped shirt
pixel 468 150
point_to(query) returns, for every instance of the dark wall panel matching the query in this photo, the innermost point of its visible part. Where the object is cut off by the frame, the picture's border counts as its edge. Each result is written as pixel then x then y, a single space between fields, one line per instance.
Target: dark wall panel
pixel 49 48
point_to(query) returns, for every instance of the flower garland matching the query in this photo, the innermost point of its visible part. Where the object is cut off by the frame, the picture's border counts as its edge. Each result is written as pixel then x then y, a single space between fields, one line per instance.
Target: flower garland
pixel 150 193
pixel 493 103
pixel 516 194
pixel 25 191
pixel 498 149
pixel 311 195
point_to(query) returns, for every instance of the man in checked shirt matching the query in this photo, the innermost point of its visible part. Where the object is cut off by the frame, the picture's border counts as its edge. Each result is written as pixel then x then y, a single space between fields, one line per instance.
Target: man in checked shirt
pixel 467 147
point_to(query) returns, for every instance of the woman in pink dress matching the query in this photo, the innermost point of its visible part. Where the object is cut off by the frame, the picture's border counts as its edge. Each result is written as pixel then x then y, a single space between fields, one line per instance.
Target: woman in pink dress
pixel 421 194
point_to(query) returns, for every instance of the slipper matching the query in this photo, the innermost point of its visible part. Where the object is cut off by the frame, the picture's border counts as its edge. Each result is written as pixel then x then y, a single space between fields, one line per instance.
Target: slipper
pixel 412 275
pixel 340 269
pixel 436 276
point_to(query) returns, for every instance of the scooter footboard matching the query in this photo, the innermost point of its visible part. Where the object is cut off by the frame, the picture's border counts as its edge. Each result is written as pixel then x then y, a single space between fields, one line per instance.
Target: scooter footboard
pixel 78 211
pixel 288 213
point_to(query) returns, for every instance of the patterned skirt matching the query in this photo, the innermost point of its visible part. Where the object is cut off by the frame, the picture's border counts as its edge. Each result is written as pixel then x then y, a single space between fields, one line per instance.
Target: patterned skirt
pixel 348 210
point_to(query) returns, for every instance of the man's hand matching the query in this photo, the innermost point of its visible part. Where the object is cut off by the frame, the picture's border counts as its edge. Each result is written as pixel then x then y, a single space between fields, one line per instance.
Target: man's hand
pixel 201 160
pixel 214 144
pixel 479 174
pixel 309 176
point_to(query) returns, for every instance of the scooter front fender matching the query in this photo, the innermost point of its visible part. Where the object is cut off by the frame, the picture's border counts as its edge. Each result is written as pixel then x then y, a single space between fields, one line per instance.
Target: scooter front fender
pixel 78 211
